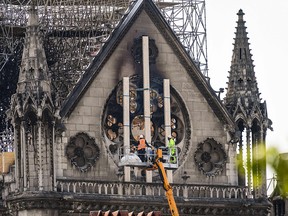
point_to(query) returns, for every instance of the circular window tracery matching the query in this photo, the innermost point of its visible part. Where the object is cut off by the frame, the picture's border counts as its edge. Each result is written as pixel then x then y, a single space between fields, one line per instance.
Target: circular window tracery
pixel 138 127
pixel 210 157
pixel 82 151
pixel 113 116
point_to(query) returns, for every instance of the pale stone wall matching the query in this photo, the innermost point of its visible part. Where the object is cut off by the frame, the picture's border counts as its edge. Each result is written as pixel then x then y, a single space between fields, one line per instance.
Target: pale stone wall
pixel 87 114
pixel 38 212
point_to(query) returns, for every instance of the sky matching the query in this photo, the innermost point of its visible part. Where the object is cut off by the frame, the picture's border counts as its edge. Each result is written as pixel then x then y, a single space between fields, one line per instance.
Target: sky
pixel 267 28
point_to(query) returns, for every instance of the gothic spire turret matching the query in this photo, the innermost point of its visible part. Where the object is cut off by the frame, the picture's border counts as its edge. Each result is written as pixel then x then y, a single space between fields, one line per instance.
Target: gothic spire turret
pixel 250 114
pixel 33 76
pixel 242 81
pixel 33 115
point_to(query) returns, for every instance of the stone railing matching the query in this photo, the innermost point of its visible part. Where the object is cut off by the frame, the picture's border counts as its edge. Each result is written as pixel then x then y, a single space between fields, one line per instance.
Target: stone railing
pixel 152 189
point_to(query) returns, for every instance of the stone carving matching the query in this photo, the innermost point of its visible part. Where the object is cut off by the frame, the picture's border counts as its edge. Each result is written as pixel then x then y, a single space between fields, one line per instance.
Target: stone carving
pixel 210 157
pixel 82 151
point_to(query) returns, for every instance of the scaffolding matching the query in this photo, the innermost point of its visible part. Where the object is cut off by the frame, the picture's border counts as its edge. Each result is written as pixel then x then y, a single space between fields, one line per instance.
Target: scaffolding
pixel 75 30
pixel 187 19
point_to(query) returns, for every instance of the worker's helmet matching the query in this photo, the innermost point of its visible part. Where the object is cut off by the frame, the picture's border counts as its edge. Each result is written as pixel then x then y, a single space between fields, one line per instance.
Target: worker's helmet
pixel 141 136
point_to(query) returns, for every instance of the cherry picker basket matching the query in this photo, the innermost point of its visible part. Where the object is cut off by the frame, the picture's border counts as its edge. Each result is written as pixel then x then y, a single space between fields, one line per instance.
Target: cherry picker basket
pixel 135 159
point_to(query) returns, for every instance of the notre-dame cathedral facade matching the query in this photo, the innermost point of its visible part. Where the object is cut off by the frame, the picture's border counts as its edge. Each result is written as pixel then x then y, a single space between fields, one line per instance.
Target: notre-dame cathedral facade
pixel 67 154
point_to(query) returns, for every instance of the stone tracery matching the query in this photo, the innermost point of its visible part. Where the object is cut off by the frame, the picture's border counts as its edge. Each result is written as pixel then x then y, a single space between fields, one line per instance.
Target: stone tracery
pixel 210 157
pixel 82 151
pixel 113 116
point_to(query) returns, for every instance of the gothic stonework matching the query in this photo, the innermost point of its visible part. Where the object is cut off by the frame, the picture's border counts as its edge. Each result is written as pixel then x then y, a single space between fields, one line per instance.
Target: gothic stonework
pixel 82 151
pixel 69 205
pixel 210 157
pixel 88 131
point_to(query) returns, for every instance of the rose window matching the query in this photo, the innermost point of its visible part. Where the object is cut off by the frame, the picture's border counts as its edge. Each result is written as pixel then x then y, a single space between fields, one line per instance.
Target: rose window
pixel 112 120
pixel 82 151
pixel 210 157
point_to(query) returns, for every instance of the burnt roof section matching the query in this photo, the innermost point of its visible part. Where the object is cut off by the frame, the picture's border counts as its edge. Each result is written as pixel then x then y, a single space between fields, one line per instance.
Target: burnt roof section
pixel 118 34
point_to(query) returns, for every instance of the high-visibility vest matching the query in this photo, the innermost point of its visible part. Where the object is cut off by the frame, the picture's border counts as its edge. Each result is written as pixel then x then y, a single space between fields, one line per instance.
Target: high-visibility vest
pixel 171 145
pixel 142 144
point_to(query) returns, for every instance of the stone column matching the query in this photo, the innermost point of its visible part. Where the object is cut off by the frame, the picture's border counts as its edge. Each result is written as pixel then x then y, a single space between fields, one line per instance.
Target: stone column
pixel 54 186
pixel 40 168
pixel 17 129
pixel 263 165
pixel 23 169
pixel 249 164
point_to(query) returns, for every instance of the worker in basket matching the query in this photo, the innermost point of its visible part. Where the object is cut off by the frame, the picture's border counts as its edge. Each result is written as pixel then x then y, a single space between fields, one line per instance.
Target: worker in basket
pixel 172 150
pixel 141 148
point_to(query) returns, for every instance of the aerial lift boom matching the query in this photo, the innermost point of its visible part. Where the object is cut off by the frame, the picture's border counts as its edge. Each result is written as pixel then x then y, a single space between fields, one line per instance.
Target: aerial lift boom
pixel 158 164
pixel 156 161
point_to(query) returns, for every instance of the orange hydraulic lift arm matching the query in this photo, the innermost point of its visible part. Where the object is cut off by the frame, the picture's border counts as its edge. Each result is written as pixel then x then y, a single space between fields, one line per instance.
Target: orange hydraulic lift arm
pixel 166 185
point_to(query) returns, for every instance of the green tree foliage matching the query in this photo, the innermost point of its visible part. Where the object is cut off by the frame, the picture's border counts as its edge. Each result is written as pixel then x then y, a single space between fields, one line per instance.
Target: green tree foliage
pixel 279 163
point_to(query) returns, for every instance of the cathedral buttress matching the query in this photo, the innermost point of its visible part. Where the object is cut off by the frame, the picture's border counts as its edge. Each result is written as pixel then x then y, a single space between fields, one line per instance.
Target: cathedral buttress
pixel 250 114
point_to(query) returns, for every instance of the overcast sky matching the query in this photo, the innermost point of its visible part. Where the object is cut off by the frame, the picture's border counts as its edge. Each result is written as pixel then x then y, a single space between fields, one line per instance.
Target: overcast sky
pixel 267 28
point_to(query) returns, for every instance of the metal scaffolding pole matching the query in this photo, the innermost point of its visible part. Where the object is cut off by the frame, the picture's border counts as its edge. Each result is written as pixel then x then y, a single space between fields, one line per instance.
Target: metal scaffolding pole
pixel 75 30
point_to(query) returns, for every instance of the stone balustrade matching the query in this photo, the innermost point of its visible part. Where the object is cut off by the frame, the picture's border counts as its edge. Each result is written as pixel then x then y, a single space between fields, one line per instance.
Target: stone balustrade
pixel 184 191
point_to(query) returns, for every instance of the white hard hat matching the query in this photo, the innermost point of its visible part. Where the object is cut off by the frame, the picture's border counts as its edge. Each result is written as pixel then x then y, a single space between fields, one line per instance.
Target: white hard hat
pixel 141 136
